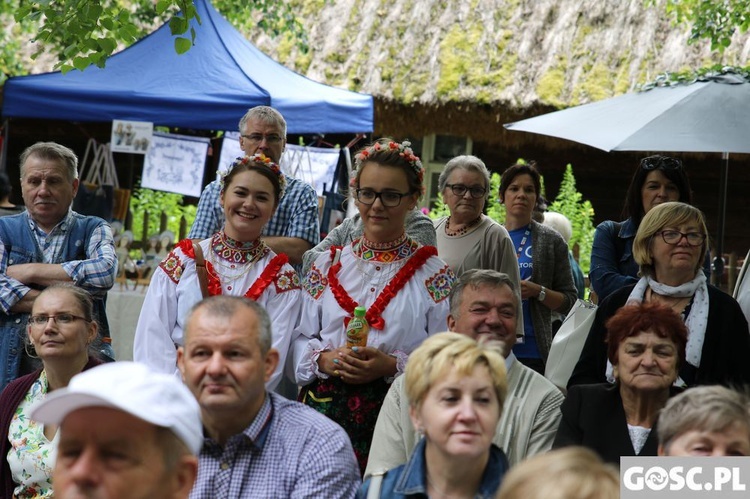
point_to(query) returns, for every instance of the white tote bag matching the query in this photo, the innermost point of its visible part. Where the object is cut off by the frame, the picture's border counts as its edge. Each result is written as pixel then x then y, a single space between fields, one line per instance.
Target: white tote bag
pixel 568 343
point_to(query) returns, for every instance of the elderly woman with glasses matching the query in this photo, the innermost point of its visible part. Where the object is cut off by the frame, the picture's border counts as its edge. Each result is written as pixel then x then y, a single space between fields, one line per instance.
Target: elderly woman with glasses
pixel 467 239
pixel 669 247
pixel 402 285
pixel 61 333
pixel 658 179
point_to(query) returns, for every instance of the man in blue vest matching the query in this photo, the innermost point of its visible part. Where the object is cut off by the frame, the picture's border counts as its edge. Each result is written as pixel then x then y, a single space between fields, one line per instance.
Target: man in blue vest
pixel 46 244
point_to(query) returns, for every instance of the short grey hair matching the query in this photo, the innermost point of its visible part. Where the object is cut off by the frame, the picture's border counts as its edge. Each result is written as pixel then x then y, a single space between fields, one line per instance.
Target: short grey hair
pixel 703 408
pixel 476 278
pixel 52 151
pixel 266 114
pixel 560 223
pixel 468 163
pixel 227 306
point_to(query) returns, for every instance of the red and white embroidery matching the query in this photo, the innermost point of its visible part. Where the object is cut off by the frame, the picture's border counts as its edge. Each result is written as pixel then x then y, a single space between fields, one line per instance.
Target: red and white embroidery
pixel 286 281
pixel 173 267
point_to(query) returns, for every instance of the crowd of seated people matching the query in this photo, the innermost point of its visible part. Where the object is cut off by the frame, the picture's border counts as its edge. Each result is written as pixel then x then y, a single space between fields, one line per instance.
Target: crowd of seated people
pixel 247 383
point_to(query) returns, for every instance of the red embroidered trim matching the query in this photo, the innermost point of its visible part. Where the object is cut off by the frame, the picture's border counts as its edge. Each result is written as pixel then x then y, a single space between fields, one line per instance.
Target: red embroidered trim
pixel 373 315
pixel 261 283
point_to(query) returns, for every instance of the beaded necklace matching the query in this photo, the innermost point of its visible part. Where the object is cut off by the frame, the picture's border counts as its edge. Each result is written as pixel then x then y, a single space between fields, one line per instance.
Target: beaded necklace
pixel 463 230
pixel 232 260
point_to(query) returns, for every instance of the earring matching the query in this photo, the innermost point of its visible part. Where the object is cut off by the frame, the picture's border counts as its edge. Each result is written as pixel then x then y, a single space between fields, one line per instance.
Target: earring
pixel 31 353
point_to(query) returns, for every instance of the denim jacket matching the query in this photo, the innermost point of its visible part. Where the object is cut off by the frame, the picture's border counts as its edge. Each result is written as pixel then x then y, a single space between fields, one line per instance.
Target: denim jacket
pixel 410 479
pixel 21 247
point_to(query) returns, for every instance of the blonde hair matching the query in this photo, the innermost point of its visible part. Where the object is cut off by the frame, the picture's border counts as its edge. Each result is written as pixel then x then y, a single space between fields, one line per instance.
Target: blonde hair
pixel 439 354
pixel 671 214
pixel 569 473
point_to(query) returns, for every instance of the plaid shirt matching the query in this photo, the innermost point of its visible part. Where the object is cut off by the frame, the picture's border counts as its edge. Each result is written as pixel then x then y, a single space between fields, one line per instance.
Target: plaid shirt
pixel 296 216
pixel 288 451
pixel 95 274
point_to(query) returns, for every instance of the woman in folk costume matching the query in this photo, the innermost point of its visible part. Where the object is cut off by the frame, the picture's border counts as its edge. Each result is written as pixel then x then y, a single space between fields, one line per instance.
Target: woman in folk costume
pixel 403 286
pixel 237 263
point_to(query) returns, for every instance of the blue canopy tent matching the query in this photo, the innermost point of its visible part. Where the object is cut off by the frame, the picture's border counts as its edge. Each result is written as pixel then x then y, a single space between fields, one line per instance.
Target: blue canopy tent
pixel 210 87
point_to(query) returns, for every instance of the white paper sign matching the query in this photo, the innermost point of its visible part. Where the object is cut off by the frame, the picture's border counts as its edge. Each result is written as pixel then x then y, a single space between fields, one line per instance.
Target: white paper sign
pixel 131 136
pixel 175 163
pixel 314 165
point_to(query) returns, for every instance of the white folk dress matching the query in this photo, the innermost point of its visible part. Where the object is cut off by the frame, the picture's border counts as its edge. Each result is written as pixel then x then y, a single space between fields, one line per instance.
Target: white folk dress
pixel 234 269
pixel 418 309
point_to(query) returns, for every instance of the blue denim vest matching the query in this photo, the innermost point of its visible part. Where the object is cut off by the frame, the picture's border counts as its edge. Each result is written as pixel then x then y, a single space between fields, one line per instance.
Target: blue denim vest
pixel 21 247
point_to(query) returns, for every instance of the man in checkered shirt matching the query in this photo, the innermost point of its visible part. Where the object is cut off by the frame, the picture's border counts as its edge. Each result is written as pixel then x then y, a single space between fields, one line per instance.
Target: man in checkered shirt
pixel 295 227
pixel 256 443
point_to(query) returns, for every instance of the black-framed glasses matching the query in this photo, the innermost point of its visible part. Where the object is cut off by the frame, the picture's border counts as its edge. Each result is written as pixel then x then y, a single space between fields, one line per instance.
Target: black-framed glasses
pixel 60 319
pixel 461 189
pixel 661 163
pixel 674 237
pixel 257 138
pixel 389 199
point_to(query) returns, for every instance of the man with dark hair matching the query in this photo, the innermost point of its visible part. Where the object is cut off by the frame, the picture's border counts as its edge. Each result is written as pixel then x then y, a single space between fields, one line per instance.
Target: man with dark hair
pixel 257 444
pixel 483 305
pixel 47 244
pixel 294 227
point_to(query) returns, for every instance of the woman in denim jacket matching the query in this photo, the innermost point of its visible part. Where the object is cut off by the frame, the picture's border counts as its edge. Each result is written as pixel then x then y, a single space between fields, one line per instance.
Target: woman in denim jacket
pixel 456 389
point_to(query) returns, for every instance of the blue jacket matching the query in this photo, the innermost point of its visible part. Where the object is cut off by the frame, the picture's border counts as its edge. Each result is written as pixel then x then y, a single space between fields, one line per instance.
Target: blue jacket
pixel 410 479
pixel 21 247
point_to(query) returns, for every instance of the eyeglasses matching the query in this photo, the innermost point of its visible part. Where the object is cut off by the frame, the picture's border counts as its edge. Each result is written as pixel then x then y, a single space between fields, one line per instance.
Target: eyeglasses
pixel 660 163
pixel 389 199
pixel 674 237
pixel 257 138
pixel 460 190
pixel 60 319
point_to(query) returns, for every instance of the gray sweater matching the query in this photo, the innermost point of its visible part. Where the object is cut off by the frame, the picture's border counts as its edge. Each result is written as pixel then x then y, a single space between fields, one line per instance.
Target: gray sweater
pixel 551 270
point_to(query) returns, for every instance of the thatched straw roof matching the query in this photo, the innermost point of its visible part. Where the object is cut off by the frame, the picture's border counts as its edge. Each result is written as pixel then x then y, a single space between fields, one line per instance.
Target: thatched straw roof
pixel 499 58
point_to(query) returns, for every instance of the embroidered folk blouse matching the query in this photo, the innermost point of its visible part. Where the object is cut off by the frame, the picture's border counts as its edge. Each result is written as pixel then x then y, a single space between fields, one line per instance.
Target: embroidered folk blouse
pixel 174 289
pixel 419 308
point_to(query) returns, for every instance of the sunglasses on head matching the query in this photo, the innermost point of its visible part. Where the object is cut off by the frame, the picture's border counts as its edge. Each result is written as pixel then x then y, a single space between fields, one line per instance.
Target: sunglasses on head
pixel 660 163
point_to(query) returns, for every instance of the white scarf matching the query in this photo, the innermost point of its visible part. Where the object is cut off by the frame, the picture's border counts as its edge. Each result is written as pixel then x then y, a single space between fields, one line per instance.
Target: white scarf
pixel 696 320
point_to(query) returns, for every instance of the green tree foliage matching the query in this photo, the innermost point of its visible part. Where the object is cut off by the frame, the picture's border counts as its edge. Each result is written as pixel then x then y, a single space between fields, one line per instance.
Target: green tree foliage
pixel 82 33
pixel 570 203
pixel 715 20
pixel 156 202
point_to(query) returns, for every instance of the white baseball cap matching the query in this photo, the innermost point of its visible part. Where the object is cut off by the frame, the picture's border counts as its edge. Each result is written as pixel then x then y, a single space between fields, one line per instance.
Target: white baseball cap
pixel 157 398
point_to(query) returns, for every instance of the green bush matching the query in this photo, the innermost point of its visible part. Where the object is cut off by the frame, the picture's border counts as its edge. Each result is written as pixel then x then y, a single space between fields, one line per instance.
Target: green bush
pixel 156 202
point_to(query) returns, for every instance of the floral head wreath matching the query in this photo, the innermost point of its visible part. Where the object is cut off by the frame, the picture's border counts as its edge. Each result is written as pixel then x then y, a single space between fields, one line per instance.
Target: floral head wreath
pixel 257 160
pixel 404 150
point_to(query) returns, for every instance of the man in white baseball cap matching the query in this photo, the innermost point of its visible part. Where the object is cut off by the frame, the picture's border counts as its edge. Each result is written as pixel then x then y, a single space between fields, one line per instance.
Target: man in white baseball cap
pixel 125 432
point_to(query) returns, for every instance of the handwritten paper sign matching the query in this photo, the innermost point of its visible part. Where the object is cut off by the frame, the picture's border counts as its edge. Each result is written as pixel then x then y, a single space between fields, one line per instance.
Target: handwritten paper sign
pixel 175 163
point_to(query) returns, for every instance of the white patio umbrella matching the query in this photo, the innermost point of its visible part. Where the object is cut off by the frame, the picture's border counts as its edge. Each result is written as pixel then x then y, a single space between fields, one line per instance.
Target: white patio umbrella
pixel 708 115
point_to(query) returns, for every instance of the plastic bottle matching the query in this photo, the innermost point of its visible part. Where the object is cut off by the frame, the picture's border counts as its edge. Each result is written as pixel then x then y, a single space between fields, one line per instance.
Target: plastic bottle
pixel 357 330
